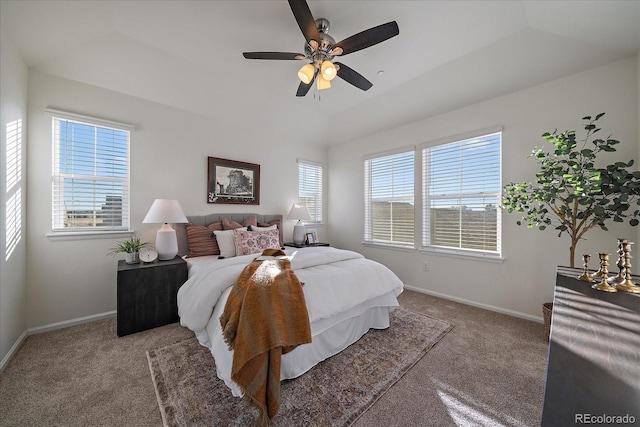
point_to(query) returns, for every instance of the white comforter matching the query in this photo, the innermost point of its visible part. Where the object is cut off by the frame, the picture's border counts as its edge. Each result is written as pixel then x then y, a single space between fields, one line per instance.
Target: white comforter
pixel 338 285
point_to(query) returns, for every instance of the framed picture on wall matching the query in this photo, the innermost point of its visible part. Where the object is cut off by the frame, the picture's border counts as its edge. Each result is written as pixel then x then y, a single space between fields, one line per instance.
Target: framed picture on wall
pixel 233 182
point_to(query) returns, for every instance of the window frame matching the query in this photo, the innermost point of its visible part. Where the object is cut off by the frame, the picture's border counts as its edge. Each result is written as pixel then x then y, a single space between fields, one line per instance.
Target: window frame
pixel 57 217
pixel 426 246
pixel 368 226
pixel 318 194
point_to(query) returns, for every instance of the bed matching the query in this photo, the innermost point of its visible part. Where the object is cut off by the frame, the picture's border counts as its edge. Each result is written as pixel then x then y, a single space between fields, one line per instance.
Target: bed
pixel 346 294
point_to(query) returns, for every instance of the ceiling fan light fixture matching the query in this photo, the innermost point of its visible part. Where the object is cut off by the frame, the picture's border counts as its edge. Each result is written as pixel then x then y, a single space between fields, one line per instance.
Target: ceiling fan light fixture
pixel 323 83
pixel 328 70
pixel 306 73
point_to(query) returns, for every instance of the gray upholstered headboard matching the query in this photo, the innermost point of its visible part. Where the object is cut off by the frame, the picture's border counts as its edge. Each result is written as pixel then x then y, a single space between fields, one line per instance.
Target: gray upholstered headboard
pixel 181 229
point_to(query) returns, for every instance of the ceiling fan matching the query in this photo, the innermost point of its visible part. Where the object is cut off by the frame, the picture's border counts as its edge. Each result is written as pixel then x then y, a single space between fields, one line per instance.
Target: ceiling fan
pixel 320 49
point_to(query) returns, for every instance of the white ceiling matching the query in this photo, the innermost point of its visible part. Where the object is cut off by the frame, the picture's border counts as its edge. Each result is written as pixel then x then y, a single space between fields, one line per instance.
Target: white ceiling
pixel 449 54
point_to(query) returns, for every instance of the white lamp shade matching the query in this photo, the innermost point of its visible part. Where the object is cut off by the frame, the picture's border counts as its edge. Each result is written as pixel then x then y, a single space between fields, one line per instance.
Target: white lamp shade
pixel 166 211
pixel 299 212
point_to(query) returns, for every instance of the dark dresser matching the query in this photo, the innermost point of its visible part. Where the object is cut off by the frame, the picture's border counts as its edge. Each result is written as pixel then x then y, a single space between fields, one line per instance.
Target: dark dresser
pixel 593 371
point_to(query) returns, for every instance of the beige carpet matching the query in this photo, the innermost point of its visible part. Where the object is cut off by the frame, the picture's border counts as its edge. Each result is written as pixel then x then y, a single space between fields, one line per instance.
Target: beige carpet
pixel 488 371
pixel 334 393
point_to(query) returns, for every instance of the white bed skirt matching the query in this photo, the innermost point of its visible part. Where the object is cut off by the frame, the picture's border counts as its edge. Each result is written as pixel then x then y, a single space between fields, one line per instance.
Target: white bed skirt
pixel 329 337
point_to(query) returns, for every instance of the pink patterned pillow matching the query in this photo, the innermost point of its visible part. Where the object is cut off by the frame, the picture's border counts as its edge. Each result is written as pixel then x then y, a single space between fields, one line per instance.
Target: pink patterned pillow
pixel 252 242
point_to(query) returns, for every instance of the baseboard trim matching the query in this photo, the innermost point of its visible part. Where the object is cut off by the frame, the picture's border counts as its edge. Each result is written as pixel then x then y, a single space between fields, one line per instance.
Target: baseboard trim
pixel 51 327
pixel 70 322
pixel 537 319
pixel 14 348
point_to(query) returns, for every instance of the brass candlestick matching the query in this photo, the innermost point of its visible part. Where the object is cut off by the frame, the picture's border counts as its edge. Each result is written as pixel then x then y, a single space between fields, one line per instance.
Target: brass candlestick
pixel 598 274
pixel 604 286
pixel 627 285
pixel 585 275
pixel 619 278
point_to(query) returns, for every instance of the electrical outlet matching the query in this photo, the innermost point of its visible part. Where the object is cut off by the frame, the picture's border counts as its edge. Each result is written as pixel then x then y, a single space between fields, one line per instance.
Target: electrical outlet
pixel 425 266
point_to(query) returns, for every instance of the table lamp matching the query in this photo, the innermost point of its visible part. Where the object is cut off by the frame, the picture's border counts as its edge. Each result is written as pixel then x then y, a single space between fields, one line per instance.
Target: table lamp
pixel 165 211
pixel 300 213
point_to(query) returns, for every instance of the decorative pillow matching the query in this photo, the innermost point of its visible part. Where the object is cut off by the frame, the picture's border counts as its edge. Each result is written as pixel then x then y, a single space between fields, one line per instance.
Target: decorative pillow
pixel 228 224
pixel 201 241
pixel 227 242
pixel 256 228
pixel 271 224
pixel 251 242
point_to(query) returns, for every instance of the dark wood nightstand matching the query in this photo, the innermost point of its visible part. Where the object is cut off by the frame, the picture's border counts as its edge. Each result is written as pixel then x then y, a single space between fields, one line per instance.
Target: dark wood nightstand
pixel 147 294
pixel 302 245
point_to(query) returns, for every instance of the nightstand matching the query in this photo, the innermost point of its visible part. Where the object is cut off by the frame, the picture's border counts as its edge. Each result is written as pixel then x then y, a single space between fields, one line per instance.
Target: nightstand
pixel 147 294
pixel 302 245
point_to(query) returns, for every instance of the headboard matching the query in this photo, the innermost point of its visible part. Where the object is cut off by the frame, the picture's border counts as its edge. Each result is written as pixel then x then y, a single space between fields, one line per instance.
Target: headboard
pixel 181 229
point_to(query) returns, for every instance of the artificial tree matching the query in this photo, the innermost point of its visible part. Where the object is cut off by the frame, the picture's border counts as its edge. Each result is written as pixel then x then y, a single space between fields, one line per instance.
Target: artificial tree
pixel 571 192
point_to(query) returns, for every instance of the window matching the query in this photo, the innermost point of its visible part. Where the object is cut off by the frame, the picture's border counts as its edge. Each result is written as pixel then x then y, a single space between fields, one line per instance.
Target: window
pixel 389 199
pixel 13 193
pixel 310 188
pixel 90 174
pixel 461 195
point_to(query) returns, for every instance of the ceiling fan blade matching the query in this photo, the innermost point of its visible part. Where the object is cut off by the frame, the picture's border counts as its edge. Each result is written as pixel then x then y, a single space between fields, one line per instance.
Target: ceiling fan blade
pixel 368 38
pixel 305 20
pixel 273 55
pixel 351 76
pixel 303 88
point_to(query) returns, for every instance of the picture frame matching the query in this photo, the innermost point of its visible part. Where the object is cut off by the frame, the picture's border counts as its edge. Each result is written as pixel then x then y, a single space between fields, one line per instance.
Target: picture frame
pixel 232 182
pixel 309 239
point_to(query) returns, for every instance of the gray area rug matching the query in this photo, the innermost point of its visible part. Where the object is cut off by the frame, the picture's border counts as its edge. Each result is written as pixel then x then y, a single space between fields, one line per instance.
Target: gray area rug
pixel 334 393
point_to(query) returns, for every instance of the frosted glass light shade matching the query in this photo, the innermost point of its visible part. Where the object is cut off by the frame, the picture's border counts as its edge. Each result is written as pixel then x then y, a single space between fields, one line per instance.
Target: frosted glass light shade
pixel 165 211
pixel 328 70
pixel 323 83
pixel 306 73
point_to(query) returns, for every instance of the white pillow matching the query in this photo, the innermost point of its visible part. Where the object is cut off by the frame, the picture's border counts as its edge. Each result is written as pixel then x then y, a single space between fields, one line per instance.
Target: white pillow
pixel 227 242
pixel 271 227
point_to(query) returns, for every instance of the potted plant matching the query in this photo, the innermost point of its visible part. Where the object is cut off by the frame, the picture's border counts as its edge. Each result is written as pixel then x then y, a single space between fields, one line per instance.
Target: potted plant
pixel 570 192
pixel 130 248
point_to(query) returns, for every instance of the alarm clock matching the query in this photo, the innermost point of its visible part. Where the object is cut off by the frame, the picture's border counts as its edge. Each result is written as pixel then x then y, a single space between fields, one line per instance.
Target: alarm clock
pixel 148 255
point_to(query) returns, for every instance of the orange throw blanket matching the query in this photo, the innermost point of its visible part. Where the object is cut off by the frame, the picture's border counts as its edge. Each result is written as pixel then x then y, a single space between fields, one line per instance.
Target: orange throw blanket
pixel 264 318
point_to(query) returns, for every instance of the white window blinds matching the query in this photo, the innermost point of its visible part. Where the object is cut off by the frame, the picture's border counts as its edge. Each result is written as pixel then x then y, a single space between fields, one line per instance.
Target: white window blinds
pixel 90 174
pixel 13 193
pixel 310 188
pixel 389 199
pixel 461 183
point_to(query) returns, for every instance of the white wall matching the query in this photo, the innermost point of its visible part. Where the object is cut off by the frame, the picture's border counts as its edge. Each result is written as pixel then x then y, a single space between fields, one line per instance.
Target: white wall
pixel 169 150
pixel 13 284
pixel 525 279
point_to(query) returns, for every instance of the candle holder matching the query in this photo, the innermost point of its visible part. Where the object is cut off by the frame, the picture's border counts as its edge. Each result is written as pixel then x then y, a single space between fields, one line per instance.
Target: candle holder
pixel 604 286
pixel 586 277
pixel 619 278
pixel 627 285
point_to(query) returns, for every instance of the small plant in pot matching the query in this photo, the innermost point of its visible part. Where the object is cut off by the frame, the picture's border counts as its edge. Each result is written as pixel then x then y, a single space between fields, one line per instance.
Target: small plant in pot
pixel 130 248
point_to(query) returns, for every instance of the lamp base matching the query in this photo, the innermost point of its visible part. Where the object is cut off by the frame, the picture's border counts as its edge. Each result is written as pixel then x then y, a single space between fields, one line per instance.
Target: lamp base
pixel 166 243
pixel 298 233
